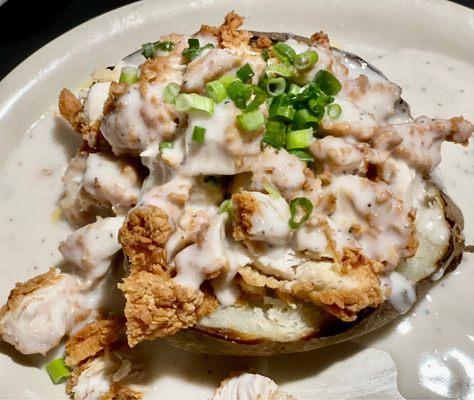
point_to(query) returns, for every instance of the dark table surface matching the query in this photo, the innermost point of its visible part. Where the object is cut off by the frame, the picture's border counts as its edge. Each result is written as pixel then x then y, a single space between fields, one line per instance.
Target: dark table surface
pixel 27 25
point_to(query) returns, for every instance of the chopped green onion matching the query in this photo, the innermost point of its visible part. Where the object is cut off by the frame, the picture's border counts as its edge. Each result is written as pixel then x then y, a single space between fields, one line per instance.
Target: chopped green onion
pixel 284 52
pixel 327 82
pixel 316 107
pixel 186 102
pixel 194 50
pixel 275 86
pixel 251 121
pixel 295 205
pixel 306 60
pixel 148 50
pixel 57 371
pixel 216 91
pixel 129 75
pixel 170 93
pixel 265 54
pixel 226 80
pixel 275 134
pixel 294 89
pixel 164 46
pixel 302 155
pixel 284 70
pixel 334 110
pixel 284 113
pixel 272 191
pixel 245 96
pixel 245 72
pixel 199 134
pixel 227 206
pixel 299 139
pixel 166 146
pixel 303 118
pixel 193 43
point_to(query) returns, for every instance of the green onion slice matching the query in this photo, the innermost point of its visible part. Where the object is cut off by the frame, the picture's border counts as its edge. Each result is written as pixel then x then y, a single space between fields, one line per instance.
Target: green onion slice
pixel 272 191
pixel 245 73
pixel 227 206
pixel 199 134
pixel 251 121
pixel 226 80
pixel 165 46
pixel 170 92
pixel 129 75
pixel 166 145
pixel 216 91
pixel 194 50
pixel 284 52
pixel 304 119
pixel 265 54
pixel 334 110
pixel 275 134
pixel 284 70
pixel 294 89
pixel 275 86
pixel 282 112
pixel 148 50
pixel 302 155
pixel 327 82
pixel 306 60
pixel 299 139
pixel 186 102
pixel 57 371
pixel 245 96
pixel 303 204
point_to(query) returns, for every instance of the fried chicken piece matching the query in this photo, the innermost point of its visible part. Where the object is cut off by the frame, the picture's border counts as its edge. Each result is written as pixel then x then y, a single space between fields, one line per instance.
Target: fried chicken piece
pixel 93 339
pixel 104 378
pixel 321 39
pixel 143 236
pixel 158 307
pixel 249 386
pixel 70 108
pixel 342 290
pixel 41 311
pixel 228 34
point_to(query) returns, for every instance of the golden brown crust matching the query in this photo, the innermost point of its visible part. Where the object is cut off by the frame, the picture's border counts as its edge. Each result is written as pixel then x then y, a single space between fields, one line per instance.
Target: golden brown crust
pixel 116 90
pixel 244 207
pixel 93 339
pixel 71 109
pixel 147 228
pixel 157 307
pixel 120 392
pixel 345 302
pixel 263 42
pixel 24 289
pixel 228 34
pixel 321 39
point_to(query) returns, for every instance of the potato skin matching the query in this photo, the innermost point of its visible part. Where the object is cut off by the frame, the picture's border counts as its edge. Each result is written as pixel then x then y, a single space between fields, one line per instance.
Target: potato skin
pixel 220 342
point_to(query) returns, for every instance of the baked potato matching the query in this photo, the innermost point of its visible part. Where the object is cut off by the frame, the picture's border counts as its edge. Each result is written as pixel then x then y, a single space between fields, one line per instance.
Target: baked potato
pixel 270 194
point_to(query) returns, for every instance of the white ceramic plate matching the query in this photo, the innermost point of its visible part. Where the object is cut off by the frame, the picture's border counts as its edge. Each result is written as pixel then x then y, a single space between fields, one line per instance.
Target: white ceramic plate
pixel 432 346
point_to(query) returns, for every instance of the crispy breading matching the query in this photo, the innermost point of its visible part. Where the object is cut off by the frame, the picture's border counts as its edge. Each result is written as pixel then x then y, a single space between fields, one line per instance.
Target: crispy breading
pixel 356 287
pixel 228 34
pixel 244 207
pixel 155 69
pixel 158 307
pixel 116 89
pixel 146 229
pixel 70 108
pixel 93 339
pixel 120 392
pixel 320 38
pixel 116 392
pixel 24 289
pixel 263 42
